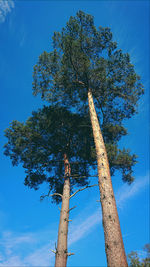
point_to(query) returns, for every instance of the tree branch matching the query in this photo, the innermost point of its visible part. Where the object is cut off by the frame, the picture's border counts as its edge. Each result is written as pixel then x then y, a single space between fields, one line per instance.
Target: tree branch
pixel 48 195
pixel 71 209
pixel 56 194
pixel 69 254
pixel 80 177
pixel 81 189
pixel 75 162
pixel 53 251
pixel 80 82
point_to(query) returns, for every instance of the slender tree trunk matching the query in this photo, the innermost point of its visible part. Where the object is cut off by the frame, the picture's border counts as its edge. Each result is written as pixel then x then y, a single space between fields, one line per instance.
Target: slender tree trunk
pixel 113 238
pixel 62 252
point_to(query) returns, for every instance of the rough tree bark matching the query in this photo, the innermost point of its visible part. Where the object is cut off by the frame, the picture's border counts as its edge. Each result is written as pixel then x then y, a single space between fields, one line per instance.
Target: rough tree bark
pixel 114 246
pixel 62 252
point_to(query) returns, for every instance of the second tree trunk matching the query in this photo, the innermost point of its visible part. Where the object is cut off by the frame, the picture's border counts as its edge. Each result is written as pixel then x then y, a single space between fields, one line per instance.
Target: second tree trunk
pixel 62 252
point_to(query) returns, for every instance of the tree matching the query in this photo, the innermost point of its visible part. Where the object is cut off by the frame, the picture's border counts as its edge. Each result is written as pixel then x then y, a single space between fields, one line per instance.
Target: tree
pixel 86 71
pixel 135 261
pixel 55 147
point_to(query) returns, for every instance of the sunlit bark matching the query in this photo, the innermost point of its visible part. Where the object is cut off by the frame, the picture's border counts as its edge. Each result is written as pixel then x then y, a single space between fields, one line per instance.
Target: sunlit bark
pixel 113 238
pixel 62 252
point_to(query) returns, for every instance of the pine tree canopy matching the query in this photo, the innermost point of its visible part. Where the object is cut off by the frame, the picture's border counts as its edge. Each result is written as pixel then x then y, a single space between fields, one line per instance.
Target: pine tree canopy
pixel 86 58
pixel 40 145
pixel 41 142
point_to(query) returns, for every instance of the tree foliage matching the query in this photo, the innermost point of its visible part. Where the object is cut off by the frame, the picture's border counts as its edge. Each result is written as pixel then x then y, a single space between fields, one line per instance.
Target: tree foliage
pixel 40 145
pixel 86 58
pixel 135 261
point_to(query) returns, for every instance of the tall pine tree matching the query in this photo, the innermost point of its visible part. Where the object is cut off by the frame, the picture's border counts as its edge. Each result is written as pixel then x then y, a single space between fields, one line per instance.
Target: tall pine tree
pixel 55 147
pixel 86 71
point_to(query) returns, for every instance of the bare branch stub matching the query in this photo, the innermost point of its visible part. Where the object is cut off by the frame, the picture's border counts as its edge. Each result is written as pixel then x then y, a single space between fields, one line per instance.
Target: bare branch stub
pixel 81 189
pixel 53 251
pixel 71 208
pixel 70 254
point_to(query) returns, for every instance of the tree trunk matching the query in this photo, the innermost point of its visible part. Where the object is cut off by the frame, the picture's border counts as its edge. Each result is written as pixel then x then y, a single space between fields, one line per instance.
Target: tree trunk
pixel 62 252
pixel 113 238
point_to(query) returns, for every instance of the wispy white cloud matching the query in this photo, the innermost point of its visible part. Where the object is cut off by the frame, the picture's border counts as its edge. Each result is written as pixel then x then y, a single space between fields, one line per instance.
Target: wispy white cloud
pixel 126 192
pixel 40 252
pixel 16 252
pixel 22 39
pixel 83 228
pixel 10 244
pixel 41 257
pixel 12 261
pixel 11 241
pixel 6 7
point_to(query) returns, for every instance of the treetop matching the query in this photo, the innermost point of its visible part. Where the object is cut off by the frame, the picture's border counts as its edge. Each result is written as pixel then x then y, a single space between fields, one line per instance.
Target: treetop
pixel 86 58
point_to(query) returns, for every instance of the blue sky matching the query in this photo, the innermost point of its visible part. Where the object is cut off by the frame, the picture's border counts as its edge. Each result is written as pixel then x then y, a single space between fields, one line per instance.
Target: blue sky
pixel 28 227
